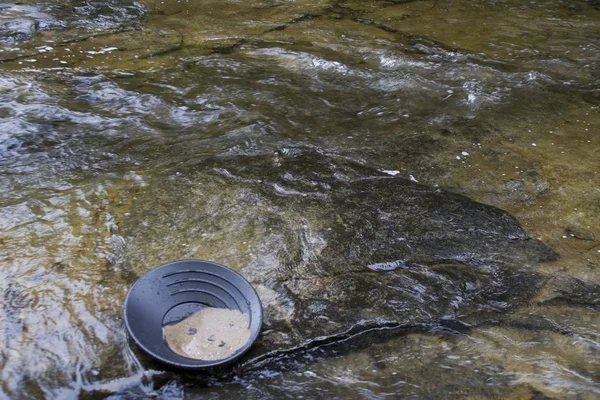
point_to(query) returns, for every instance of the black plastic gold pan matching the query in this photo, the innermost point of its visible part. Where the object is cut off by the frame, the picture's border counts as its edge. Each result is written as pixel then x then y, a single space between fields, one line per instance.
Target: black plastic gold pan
pixel 171 292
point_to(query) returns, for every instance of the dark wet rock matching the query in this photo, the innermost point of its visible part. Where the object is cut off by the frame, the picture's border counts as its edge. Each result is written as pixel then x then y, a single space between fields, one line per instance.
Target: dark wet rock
pixel 572 291
pixel 47 27
pixel 107 14
pixel 335 249
pixel 532 185
pixel 17 30
pixel 580 234
pixel 58 266
pixel 19 22
pixel 537 395
pixel 594 3
pixel 91 15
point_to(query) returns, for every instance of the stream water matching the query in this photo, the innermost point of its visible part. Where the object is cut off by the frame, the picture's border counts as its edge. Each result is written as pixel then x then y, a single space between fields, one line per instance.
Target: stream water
pixel 106 106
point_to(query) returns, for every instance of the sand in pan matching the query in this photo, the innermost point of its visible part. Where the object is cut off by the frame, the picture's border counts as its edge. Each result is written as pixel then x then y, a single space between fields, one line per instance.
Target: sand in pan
pixel 209 334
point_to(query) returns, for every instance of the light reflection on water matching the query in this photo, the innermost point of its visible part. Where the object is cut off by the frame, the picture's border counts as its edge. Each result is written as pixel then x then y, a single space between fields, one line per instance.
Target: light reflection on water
pixel 425 96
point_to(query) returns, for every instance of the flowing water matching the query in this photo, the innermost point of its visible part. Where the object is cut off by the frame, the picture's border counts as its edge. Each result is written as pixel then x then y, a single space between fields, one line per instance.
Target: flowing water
pixel 106 105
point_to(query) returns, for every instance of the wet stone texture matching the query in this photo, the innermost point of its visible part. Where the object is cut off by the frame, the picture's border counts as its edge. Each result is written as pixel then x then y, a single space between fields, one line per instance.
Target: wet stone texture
pixel 334 247
pixel 411 186
pixel 15 30
pixel 32 30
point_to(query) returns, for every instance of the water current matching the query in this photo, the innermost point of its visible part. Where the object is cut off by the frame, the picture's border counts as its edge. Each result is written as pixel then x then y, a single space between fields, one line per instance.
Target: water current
pixel 117 116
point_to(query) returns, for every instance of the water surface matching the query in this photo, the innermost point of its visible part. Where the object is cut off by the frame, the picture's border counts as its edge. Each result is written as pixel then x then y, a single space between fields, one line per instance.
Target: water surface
pixel 105 105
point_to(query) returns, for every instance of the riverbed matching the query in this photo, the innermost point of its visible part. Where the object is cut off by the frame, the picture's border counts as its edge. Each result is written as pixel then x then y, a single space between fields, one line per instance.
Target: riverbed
pixel 130 134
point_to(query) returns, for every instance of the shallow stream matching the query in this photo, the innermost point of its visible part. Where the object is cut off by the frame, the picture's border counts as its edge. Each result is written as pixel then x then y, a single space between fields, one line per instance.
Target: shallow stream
pixel 113 113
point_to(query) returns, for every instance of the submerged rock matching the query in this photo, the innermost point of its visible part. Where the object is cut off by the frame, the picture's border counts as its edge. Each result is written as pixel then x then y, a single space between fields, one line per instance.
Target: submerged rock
pixel 20 22
pixel 42 29
pixel 335 248
pixel 16 30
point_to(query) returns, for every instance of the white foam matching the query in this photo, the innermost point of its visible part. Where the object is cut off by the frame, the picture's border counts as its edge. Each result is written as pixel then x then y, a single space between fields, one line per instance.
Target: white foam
pixel 387 266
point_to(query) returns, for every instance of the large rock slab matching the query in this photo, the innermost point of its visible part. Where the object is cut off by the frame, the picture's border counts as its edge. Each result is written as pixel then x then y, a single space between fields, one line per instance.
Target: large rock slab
pixel 335 248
